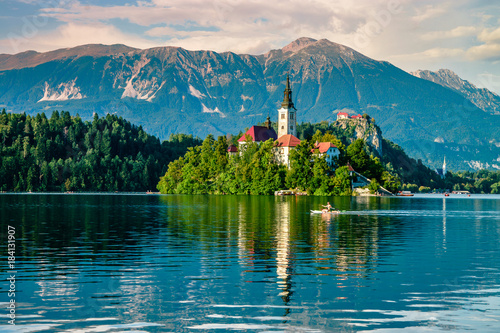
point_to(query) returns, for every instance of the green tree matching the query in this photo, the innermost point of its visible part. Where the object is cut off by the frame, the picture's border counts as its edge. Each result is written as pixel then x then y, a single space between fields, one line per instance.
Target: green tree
pixel 357 156
pixel 342 181
pixel 374 186
pixel 300 171
pixel 391 182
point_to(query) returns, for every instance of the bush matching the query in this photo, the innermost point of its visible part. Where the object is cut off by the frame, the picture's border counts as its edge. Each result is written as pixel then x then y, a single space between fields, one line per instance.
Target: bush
pixel 424 189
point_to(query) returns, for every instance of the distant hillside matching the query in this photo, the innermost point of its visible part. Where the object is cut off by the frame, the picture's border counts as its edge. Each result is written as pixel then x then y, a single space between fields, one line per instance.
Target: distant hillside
pixel 172 90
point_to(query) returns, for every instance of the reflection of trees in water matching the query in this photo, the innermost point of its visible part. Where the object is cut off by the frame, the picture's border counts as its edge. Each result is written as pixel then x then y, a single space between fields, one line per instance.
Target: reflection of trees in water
pixel 85 252
pixel 77 227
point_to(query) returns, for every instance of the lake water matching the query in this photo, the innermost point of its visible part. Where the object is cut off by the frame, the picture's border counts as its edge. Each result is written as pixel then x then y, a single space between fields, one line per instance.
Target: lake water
pixel 151 263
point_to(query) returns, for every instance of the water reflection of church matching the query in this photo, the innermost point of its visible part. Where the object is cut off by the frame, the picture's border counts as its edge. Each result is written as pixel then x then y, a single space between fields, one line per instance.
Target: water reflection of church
pixel 337 251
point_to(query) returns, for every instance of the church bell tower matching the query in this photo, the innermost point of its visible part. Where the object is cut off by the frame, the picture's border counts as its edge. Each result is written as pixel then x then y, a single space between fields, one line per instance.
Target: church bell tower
pixel 287 115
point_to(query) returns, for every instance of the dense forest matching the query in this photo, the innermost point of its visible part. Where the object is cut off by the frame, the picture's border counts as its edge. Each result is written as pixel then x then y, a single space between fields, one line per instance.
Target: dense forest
pixel 64 153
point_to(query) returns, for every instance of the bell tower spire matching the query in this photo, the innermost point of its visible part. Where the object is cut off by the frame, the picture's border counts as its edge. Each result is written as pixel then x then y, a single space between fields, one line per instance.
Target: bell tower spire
pixel 287 99
pixel 287 120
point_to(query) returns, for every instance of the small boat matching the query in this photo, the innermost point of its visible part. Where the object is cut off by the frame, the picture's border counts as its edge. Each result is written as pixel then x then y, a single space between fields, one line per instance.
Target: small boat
pixel 284 192
pixel 405 194
pixel 325 211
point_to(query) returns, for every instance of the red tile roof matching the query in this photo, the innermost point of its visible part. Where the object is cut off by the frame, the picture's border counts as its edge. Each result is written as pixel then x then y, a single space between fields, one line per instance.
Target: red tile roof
pixel 287 140
pixel 356 117
pixel 324 146
pixel 232 149
pixel 259 134
pixel 342 114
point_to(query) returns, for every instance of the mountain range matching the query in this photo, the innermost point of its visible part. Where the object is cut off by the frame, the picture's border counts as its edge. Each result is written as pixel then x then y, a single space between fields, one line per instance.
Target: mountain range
pixel 172 90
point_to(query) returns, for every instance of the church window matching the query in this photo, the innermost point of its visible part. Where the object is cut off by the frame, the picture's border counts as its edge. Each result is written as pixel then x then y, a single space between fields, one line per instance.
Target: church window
pixel 282 116
pixel 291 127
pixel 291 115
pixel 282 127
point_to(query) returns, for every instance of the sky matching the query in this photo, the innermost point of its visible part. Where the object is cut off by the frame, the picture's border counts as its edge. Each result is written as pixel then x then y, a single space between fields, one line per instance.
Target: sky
pixel 461 35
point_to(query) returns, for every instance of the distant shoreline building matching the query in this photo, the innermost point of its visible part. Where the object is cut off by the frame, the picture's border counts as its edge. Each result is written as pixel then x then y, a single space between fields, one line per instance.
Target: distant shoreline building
pixel 442 172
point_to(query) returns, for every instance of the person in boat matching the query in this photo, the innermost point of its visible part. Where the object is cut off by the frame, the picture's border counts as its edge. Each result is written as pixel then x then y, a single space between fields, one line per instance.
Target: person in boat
pixel 328 207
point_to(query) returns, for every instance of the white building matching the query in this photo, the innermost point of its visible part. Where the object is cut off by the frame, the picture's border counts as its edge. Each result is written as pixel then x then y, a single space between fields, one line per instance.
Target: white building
pixel 329 150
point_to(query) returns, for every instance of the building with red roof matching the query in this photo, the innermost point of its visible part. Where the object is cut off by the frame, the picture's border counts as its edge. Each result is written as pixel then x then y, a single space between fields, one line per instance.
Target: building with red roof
pixel 259 133
pixel 345 115
pixel 342 115
pixel 327 149
pixel 232 150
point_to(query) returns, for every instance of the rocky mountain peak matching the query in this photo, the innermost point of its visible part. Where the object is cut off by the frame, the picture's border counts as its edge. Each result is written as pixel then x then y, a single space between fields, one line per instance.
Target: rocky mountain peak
pixel 482 98
pixel 444 77
pixel 298 44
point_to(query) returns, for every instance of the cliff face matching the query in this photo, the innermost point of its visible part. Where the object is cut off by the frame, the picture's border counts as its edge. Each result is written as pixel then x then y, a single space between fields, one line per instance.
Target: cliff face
pixel 362 129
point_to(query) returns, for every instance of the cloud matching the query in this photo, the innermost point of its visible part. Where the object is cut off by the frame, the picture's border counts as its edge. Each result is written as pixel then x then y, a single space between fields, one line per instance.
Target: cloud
pixel 73 34
pixel 429 11
pixel 490 35
pixel 461 31
pixel 489 52
pixel 238 22
pixel 434 53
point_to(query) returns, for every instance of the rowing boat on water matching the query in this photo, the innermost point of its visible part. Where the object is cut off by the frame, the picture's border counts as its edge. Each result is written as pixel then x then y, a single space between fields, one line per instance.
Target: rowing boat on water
pixel 325 212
